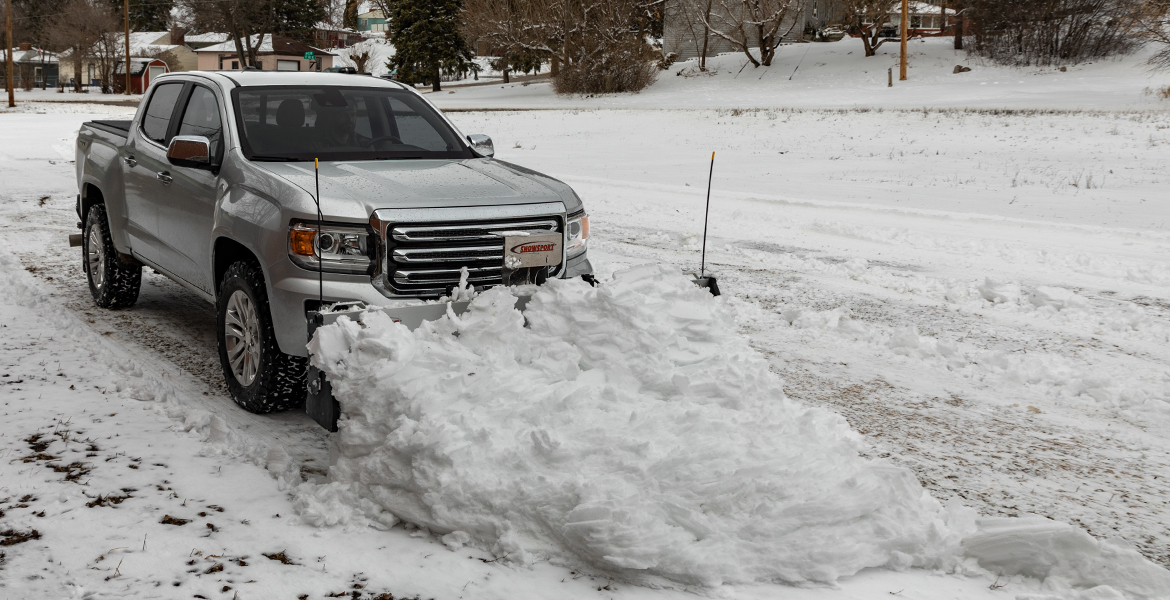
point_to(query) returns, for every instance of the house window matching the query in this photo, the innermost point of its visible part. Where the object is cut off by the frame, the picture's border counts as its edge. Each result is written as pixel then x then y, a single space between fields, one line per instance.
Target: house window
pixel 92 72
pixel 916 22
pixel 288 65
pixel 235 65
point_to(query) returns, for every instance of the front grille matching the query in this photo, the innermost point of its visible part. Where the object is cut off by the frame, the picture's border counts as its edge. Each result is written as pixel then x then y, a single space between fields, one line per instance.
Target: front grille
pixel 424 259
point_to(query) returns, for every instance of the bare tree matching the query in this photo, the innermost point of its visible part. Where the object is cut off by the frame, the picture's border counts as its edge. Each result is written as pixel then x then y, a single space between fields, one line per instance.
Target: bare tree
pixel 599 45
pixel 1154 22
pixel 867 18
pixel 759 23
pixel 1057 31
pixel 77 30
pixel 109 50
pixel 250 22
pixel 693 15
pixel 361 54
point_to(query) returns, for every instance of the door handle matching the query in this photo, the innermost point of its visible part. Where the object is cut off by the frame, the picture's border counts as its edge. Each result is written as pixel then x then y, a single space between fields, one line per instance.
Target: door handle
pixel 164 177
pixel 130 162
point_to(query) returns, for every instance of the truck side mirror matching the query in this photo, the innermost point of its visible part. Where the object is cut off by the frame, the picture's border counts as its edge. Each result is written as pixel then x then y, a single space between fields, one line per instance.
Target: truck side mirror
pixel 190 151
pixel 482 145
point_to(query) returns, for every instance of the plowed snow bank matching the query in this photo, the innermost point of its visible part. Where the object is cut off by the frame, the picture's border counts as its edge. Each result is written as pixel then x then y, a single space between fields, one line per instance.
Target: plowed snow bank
pixel 629 427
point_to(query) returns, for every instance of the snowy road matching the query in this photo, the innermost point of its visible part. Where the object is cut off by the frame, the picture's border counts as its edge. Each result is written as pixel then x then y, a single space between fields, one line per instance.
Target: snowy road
pixel 973 305
pixel 908 290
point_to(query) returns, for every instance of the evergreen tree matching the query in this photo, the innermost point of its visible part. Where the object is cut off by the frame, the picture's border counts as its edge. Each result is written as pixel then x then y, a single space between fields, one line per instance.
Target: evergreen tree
pixel 427 40
pixel 146 15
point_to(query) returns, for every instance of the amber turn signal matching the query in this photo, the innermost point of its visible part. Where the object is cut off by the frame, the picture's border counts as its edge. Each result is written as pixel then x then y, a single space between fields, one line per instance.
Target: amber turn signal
pixel 300 240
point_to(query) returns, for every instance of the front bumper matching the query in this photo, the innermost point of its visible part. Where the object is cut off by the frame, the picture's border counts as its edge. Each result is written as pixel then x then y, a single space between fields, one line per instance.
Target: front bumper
pixel 294 290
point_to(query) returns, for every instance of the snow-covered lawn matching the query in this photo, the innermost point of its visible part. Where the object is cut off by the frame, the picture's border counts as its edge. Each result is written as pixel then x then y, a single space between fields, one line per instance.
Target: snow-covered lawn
pixel 982 296
pixel 838 75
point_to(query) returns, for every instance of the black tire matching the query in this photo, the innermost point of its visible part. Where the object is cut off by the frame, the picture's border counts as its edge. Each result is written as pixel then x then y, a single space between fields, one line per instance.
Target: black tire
pixel 113 283
pixel 277 379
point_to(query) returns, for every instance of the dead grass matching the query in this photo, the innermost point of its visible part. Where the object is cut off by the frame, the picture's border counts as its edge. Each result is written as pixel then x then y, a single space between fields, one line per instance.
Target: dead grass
pixel 13 537
pixel 280 557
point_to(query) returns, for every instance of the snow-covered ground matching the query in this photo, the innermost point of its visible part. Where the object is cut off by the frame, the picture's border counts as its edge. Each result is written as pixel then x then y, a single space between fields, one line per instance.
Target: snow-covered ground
pixel 838 75
pixel 981 295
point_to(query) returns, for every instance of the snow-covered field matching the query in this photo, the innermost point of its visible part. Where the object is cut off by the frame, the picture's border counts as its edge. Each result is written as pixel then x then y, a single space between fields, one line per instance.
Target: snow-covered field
pixel 838 75
pixel 981 295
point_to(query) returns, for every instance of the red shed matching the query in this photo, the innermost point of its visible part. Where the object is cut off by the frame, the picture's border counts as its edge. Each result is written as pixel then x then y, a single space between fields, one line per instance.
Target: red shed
pixel 142 72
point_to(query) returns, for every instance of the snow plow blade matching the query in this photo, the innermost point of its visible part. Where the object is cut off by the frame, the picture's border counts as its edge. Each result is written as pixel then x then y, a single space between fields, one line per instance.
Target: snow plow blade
pixel 319 401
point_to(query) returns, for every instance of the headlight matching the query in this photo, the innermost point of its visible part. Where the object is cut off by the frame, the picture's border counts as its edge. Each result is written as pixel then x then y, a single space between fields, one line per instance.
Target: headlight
pixel 338 248
pixel 577 237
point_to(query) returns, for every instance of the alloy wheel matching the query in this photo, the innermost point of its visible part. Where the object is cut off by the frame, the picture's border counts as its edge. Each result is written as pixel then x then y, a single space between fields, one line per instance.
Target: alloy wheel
pixel 241 328
pixel 95 258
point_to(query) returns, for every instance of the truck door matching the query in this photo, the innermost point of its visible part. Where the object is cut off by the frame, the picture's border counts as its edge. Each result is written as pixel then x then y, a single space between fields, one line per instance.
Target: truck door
pixel 145 166
pixel 186 213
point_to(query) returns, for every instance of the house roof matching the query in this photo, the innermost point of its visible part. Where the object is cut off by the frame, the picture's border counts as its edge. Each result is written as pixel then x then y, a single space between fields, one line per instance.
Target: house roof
pixel 141 42
pixel 32 56
pixel 137 66
pixel 206 38
pixel 922 8
pixel 272 45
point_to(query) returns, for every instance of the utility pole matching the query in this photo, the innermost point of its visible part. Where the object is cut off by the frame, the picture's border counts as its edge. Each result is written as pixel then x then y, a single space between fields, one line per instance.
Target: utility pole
pixel 905 34
pixel 8 79
pixel 126 5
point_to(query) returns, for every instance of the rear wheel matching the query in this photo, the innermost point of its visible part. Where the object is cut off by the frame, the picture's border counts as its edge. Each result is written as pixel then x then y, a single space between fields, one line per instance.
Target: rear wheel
pixel 260 377
pixel 112 282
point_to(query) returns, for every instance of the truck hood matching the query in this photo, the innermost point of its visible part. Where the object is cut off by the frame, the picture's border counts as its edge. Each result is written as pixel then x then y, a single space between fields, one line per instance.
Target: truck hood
pixel 357 189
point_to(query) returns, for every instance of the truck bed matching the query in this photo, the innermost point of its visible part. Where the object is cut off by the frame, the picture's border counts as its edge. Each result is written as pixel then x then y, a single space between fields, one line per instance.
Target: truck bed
pixel 119 128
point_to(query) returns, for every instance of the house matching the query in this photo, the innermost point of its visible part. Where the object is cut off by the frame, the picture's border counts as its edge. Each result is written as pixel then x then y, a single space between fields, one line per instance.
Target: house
pixel 276 53
pixel 325 36
pixel 373 21
pixel 143 70
pixel 33 67
pixel 153 44
pixel 683 28
pixel 926 20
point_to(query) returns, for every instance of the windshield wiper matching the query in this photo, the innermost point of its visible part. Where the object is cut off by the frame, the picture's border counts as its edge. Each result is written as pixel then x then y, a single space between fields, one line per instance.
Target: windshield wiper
pixel 280 159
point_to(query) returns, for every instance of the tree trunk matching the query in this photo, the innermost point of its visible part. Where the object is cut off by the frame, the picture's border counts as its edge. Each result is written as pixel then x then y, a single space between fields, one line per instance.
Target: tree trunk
pixel 555 67
pixel 436 86
pixel 959 33
pixel 506 79
pixel 706 37
pixel 76 69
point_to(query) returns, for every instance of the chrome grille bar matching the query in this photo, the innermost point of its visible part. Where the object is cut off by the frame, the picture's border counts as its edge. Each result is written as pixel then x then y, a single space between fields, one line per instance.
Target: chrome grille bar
pixel 468 232
pixel 433 255
pixel 424 259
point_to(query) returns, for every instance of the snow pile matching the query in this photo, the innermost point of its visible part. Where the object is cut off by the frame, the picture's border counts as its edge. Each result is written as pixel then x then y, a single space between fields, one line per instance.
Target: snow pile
pixel 628 428
pixel 1066 559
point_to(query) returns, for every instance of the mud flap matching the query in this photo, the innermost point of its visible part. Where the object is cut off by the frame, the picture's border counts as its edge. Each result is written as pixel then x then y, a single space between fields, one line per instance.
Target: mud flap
pixel 319 401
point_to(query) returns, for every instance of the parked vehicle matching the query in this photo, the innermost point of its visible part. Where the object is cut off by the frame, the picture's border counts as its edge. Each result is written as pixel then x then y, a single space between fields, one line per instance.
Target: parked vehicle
pixel 212 183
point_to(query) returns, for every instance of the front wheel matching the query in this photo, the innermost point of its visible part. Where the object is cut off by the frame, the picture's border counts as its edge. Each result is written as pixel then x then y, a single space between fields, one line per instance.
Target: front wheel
pixel 113 283
pixel 260 378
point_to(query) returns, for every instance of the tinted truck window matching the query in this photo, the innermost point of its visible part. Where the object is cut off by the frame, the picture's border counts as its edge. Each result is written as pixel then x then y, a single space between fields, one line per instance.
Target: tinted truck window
pixel 339 123
pixel 158 114
pixel 202 118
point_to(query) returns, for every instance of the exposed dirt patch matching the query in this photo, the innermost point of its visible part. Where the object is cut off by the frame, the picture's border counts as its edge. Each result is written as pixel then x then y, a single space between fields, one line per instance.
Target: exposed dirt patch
pixel 169 520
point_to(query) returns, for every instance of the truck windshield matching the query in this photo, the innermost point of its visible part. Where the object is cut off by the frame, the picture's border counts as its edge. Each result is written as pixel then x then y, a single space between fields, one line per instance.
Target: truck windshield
pixel 341 123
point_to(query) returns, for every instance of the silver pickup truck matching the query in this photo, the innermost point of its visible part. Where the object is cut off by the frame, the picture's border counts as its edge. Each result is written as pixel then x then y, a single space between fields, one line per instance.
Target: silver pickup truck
pixel 215 184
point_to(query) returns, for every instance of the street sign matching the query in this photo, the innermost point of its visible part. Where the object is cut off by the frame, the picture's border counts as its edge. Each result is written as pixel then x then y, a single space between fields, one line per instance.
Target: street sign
pixel 310 56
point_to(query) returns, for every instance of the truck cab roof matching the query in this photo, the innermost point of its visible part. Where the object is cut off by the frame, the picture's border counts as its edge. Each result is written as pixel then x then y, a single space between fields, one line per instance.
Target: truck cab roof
pixel 257 78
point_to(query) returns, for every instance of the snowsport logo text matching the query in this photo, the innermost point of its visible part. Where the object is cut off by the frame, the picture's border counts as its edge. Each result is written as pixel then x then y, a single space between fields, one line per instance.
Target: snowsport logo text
pixel 526 248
